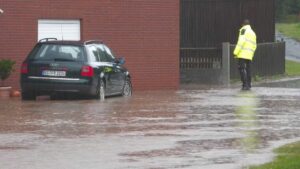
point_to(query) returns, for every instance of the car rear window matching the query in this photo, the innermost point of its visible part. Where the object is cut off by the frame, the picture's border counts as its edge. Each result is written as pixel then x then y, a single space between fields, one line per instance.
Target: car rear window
pixel 58 53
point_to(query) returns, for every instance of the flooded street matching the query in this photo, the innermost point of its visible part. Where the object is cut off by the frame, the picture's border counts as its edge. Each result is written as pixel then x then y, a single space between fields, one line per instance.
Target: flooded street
pixel 185 129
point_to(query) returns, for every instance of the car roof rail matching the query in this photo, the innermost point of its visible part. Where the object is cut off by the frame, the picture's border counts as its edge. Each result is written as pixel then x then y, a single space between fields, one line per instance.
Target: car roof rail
pixel 93 42
pixel 47 39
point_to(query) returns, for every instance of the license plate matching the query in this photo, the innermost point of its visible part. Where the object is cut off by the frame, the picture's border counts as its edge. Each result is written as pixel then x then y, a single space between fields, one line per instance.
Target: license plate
pixel 54 73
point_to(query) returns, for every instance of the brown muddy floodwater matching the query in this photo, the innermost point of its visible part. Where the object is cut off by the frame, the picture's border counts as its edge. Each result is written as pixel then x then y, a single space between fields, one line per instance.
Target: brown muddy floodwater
pixel 185 129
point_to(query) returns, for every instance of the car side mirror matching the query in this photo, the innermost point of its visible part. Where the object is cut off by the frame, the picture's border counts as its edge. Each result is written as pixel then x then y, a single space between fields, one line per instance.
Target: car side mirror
pixel 120 61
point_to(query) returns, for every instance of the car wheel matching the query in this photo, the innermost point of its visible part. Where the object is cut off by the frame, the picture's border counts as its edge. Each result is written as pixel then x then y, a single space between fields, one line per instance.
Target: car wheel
pixel 28 96
pixel 127 89
pixel 101 90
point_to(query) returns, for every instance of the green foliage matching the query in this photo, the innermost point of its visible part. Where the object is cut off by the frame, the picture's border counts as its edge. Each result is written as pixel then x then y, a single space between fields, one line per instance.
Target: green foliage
pixel 287 158
pixel 287 8
pixel 6 67
pixel 292 6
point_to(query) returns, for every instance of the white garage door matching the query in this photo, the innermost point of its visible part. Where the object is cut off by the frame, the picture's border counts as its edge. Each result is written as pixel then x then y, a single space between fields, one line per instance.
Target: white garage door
pixel 60 29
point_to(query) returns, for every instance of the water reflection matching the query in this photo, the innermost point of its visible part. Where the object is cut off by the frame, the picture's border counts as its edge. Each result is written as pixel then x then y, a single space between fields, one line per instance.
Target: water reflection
pixel 248 121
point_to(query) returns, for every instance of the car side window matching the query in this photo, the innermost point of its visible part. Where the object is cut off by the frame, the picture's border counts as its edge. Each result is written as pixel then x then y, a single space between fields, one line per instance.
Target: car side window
pixel 94 53
pixel 110 57
pixel 102 53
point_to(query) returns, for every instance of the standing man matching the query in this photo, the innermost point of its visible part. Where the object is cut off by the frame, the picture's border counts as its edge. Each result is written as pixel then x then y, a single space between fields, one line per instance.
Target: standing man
pixel 244 52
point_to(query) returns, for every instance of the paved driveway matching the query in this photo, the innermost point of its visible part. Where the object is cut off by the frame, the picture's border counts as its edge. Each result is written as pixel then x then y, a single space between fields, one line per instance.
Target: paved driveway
pixel 186 129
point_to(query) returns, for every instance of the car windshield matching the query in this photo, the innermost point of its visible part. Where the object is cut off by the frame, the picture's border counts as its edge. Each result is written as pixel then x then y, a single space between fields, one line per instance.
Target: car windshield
pixel 58 52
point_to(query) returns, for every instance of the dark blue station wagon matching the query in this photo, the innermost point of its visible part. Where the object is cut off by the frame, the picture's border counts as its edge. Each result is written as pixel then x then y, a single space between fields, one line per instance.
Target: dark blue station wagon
pixel 85 68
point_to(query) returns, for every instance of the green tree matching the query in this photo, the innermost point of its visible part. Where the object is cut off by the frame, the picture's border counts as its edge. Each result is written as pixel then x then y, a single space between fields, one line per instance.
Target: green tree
pixel 284 8
pixel 280 9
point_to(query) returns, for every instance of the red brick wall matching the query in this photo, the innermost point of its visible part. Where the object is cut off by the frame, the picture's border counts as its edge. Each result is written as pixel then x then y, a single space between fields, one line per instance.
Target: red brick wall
pixel 145 32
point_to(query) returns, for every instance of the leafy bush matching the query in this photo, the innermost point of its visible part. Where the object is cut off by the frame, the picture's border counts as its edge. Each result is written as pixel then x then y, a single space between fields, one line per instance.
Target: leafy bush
pixel 6 67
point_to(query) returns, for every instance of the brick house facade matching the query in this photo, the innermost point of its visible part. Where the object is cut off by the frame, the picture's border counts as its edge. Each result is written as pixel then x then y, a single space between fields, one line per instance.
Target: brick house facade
pixel 145 32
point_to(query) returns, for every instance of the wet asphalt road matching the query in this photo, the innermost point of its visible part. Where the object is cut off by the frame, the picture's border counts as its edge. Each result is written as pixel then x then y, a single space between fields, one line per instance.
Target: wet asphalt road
pixel 292 47
pixel 188 129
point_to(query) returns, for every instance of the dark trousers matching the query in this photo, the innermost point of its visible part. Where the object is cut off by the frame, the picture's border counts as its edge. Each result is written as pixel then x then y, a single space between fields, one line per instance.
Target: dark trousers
pixel 245 72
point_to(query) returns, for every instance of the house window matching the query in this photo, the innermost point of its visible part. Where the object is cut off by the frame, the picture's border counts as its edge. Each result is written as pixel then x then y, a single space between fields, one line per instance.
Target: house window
pixel 60 29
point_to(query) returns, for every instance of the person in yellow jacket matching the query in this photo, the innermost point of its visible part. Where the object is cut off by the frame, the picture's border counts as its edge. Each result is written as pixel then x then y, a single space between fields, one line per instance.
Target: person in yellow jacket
pixel 244 52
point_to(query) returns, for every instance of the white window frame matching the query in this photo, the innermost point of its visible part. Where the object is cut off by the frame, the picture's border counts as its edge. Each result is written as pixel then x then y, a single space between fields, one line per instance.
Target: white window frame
pixel 61 29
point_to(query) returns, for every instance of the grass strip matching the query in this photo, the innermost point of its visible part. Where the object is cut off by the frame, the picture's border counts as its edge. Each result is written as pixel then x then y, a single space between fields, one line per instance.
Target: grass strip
pixel 288 157
pixel 291 30
pixel 292 68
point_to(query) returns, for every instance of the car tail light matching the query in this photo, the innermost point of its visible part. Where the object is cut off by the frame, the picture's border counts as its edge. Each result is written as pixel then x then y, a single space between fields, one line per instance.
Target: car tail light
pixel 24 68
pixel 87 71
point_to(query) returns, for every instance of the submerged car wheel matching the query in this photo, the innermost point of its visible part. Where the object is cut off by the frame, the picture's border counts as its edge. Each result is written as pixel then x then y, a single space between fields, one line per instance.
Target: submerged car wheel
pixel 127 89
pixel 101 90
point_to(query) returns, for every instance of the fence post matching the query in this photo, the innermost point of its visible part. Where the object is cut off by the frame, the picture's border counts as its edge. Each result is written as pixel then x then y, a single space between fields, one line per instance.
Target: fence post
pixel 283 53
pixel 225 73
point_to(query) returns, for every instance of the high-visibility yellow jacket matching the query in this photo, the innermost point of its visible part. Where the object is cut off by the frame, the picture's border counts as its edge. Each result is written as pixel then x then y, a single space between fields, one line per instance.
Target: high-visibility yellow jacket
pixel 246 45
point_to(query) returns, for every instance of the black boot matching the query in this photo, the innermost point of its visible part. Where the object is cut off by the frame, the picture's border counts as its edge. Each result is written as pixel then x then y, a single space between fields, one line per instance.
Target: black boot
pixel 246 88
pixel 245 72
pixel 244 80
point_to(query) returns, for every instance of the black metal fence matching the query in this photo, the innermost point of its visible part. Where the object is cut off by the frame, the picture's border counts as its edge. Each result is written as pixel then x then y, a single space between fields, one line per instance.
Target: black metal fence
pixel 200 58
pixel 269 59
pixel 213 66
pixel 201 65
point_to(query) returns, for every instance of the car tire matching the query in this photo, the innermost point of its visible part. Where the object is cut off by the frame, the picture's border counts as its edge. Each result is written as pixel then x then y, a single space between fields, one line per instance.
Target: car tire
pixel 28 96
pixel 101 90
pixel 127 88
